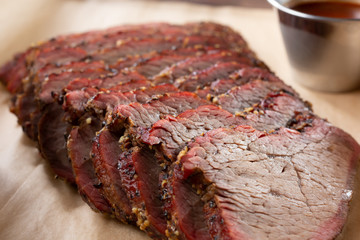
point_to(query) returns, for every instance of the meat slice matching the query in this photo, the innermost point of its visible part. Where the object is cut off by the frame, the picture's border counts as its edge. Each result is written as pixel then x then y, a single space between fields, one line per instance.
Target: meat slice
pixel 170 134
pixel 139 173
pixel 237 78
pixel 275 110
pixel 188 66
pixel 151 65
pixel 137 115
pixel 105 149
pixel 79 145
pixel 243 96
pixel 243 183
pixel 203 78
pixel 105 102
pixel 76 102
pixel 112 140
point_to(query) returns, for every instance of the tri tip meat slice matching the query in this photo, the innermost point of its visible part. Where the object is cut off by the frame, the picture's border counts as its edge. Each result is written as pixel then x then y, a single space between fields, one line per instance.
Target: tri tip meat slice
pixel 242 183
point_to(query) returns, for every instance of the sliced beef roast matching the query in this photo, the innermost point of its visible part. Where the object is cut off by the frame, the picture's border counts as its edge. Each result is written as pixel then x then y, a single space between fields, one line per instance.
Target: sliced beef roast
pixel 186 67
pixel 182 131
pixel 237 78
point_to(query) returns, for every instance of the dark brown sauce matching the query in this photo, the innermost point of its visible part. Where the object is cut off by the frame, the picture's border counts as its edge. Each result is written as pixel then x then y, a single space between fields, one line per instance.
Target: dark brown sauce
pixel 330 9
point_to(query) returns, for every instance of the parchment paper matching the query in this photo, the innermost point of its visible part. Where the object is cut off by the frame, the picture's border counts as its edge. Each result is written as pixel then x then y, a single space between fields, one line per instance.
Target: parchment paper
pixel 34 205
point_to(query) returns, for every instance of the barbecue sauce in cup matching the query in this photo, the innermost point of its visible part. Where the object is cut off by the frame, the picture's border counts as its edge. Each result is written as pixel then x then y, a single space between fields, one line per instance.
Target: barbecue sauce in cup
pixel 330 9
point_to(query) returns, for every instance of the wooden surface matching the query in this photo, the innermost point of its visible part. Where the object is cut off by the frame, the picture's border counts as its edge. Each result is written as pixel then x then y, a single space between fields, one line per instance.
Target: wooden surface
pixel 34 205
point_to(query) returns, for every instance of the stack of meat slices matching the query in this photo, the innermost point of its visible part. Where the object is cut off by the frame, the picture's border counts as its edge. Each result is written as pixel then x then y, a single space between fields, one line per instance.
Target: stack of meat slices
pixel 182 131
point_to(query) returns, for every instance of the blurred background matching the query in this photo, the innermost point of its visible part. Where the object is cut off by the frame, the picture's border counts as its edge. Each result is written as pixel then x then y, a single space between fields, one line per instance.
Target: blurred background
pixel 244 3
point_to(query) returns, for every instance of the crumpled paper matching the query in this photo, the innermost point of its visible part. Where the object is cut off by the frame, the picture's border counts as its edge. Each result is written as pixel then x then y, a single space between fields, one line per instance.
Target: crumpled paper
pixel 34 205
